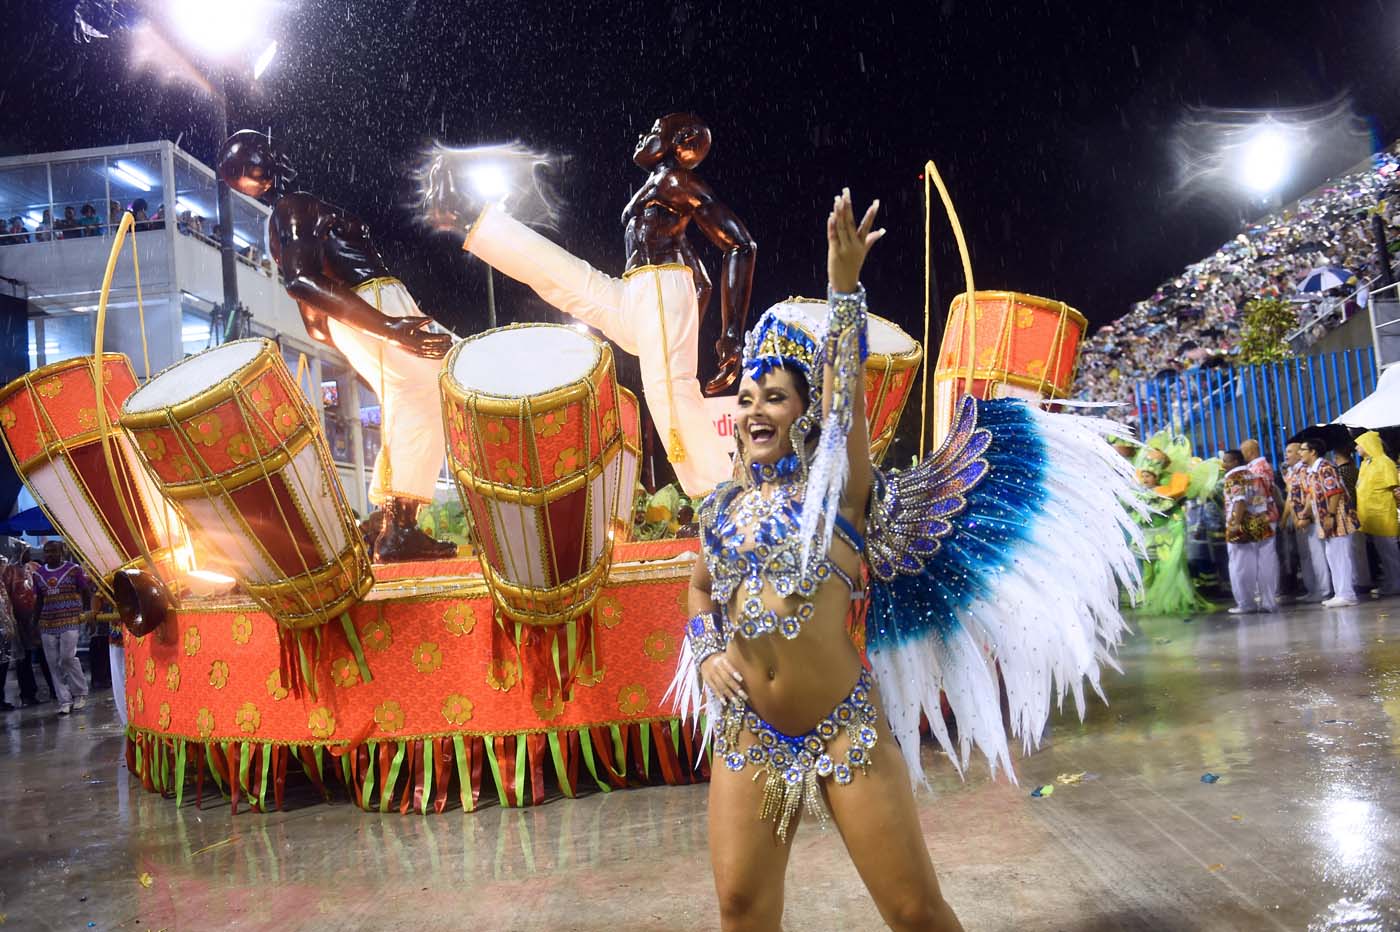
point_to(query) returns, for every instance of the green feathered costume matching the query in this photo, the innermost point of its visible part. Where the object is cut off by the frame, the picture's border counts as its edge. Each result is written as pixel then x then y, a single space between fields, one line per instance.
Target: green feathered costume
pixel 1171 476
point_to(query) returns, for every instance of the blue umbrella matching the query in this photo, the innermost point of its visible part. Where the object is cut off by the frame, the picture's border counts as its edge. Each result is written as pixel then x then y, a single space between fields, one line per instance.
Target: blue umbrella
pixel 30 521
pixel 1325 279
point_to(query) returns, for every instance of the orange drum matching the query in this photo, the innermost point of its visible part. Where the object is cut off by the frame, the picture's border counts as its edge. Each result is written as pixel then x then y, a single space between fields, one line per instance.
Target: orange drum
pixel 49 421
pixel 1024 347
pixel 535 439
pixel 889 369
pixel 230 439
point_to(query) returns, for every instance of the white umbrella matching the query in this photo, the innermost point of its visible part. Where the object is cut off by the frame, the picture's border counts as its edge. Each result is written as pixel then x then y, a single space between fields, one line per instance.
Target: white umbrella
pixel 1379 409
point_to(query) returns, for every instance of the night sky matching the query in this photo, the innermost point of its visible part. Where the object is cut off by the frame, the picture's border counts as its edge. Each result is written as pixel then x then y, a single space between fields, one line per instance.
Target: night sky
pixel 1051 122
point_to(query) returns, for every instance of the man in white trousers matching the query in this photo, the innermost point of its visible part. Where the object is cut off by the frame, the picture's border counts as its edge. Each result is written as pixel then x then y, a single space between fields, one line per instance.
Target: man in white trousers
pixel 1249 537
pixel 1334 519
pixel 1298 522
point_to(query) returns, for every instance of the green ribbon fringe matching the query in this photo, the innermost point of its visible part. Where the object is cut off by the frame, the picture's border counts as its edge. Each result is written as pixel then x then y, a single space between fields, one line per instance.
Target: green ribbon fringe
pixel 163 765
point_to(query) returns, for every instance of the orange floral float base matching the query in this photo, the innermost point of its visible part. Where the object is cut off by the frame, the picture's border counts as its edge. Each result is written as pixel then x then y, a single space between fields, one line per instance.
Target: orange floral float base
pixel 451 700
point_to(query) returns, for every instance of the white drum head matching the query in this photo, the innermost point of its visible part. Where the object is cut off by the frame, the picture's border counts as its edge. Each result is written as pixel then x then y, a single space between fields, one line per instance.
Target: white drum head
pixel 188 378
pixel 886 339
pixel 519 362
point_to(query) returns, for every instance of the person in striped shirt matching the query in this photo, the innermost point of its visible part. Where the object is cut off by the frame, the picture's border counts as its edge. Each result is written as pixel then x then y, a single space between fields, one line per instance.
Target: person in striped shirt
pixel 64 601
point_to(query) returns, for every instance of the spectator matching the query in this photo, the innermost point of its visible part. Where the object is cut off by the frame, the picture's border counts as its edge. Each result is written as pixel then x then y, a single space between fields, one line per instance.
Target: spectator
pixel 43 233
pixel 138 214
pixel 10 646
pixel 64 597
pixel 1334 517
pixel 88 222
pixel 1249 537
pixel 16 233
pixel 114 215
pixel 67 228
pixel 1375 508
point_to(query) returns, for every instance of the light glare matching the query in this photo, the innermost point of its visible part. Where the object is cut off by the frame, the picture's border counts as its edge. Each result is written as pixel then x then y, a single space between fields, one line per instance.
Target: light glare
pixel 490 182
pixel 1265 160
pixel 218 27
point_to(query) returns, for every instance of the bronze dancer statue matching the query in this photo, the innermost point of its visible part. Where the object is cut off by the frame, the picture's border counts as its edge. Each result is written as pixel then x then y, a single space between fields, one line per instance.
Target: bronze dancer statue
pixel 654 310
pixel 350 300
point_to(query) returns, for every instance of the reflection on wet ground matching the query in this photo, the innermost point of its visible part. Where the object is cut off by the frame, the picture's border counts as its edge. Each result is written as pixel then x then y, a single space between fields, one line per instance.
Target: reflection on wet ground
pixel 1296 713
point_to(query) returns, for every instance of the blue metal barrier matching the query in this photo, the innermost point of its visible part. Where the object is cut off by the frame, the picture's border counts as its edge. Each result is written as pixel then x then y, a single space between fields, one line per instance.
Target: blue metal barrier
pixel 1217 408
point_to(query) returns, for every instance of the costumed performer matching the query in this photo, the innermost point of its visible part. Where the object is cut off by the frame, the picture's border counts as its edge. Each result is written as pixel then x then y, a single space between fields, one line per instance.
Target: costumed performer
pixel 1376 490
pixel 349 300
pixel 1169 476
pixel 1333 522
pixel 990 555
pixel 654 310
pixel 1249 536
pixel 1297 519
pixel 63 602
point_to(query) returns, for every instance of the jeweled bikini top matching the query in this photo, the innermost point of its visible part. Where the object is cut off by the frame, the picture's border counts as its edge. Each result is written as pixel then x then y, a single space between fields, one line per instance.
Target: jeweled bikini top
pixel 751 539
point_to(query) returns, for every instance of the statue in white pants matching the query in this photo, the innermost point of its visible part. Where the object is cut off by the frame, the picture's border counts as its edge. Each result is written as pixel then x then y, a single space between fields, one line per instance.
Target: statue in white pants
pixel 654 310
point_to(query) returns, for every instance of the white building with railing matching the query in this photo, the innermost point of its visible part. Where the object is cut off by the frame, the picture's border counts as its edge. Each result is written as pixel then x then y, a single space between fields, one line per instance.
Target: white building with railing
pixel 58 214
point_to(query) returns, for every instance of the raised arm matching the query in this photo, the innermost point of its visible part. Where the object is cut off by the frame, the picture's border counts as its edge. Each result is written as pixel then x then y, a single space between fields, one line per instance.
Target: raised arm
pixel 848 243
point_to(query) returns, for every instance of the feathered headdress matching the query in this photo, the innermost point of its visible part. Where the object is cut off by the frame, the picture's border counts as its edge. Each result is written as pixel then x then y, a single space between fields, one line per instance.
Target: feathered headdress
pixel 777 339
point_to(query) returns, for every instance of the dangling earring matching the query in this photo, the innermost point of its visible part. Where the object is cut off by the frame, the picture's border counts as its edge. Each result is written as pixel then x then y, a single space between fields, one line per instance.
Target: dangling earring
pixel 797 436
pixel 742 474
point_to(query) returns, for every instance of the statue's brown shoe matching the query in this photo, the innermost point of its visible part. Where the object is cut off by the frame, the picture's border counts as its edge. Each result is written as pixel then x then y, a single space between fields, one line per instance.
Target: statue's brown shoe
pixel 726 377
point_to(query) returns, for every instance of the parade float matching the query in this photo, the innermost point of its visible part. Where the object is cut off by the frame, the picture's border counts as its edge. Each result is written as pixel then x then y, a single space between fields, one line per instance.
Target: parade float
pixel 263 642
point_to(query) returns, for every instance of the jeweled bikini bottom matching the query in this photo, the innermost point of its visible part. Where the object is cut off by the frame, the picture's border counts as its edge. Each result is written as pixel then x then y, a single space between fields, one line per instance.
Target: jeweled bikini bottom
pixel 791 764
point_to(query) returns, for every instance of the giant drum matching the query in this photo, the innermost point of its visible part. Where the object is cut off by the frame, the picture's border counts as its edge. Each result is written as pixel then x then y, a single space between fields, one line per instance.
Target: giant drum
pixel 232 441
pixel 889 369
pixel 1016 345
pixel 536 444
pixel 49 421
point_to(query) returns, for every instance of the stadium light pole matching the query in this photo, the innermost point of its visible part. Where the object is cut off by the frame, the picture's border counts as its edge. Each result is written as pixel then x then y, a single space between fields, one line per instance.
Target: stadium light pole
pixel 492 184
pixel 220 30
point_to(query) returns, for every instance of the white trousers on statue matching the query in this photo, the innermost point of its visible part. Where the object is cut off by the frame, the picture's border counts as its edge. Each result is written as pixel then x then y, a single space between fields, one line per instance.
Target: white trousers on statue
pixel 651 312
pixel 1253 575
pixel 1388 550
pixel 412 447
pixel 1339 564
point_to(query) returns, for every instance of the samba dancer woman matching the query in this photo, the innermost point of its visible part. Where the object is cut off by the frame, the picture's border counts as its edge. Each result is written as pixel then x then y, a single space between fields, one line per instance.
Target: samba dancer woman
pixel 794 684
pixel 795 719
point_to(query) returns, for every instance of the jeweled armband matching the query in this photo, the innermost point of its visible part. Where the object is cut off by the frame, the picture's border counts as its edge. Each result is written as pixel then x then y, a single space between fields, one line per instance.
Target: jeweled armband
pixel 706 636
pixel 846 315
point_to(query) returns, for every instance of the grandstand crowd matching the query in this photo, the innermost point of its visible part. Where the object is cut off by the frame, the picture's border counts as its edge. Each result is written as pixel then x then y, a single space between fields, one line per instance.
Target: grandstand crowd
pixel 1195 318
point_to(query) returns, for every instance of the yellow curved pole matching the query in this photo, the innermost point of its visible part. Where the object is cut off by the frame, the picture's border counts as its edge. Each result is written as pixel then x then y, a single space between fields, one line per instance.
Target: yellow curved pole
pixel 104 429
pixel 969 304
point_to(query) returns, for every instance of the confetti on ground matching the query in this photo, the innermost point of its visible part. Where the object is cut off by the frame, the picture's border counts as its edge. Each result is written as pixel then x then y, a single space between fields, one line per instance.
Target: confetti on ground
pixel 1070 779
pixel 1237 818
pixel 1336 721
pixel 1209 777
pixel 145 880
pixel 1046 790
pixel 217 844
pixel 1161 640
pixel 1214 868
